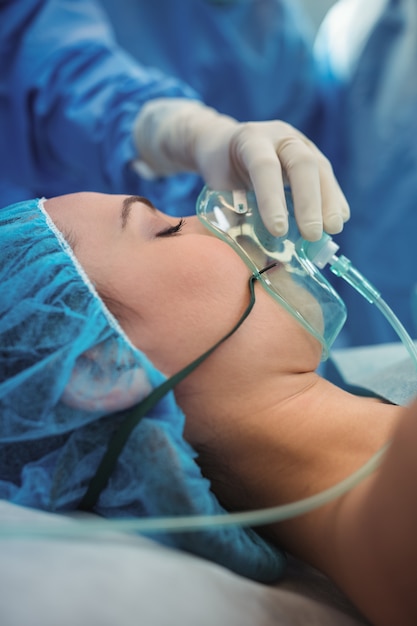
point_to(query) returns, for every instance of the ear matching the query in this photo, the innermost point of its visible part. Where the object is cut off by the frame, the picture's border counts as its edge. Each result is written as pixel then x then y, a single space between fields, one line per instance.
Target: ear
pixel 98 384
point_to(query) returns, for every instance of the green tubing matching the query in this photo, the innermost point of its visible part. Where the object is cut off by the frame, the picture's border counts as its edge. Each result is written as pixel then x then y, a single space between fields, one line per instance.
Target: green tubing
pixel 80 526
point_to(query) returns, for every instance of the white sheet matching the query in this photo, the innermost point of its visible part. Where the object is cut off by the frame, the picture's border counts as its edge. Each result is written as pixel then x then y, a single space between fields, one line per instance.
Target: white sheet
pixel 123 580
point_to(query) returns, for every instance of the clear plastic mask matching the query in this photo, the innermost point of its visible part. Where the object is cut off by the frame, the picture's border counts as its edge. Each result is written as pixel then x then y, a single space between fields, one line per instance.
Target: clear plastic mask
pixel 292 279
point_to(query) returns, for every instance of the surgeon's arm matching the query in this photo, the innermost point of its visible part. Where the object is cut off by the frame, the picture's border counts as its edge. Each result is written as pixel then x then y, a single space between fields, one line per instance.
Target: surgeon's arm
pixel 70 96
pixel 69 123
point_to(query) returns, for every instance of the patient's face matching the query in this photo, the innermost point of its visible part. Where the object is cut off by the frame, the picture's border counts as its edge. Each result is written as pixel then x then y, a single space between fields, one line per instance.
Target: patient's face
pixel 175 288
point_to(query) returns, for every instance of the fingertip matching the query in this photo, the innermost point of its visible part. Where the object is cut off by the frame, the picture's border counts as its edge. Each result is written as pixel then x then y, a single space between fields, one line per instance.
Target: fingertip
pixel 274 217
pixel 277 225
pixel 345 210
pixel 334 224
pixel 346 213
pixel 312 231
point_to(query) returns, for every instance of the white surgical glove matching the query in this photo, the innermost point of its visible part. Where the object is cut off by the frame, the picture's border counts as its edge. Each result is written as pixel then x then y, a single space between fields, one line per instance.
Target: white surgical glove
pixel 175 135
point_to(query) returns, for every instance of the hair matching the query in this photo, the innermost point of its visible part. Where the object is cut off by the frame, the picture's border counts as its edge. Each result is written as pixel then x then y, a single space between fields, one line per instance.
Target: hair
pixel 69 237
pixel 115 306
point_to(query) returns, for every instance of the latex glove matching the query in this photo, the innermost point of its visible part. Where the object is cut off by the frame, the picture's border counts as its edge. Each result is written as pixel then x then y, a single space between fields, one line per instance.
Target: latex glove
pixel 176 135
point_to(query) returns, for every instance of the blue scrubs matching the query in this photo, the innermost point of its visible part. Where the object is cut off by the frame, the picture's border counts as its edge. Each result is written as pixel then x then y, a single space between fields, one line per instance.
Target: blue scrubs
pixel 68 99
pixel 371 118
pixel 252 59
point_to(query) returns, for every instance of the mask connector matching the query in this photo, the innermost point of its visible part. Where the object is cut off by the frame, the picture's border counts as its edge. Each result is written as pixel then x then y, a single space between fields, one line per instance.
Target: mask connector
pixel 323 252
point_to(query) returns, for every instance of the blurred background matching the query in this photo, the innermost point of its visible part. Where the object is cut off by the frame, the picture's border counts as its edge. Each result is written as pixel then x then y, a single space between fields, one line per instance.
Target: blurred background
pixel 317 9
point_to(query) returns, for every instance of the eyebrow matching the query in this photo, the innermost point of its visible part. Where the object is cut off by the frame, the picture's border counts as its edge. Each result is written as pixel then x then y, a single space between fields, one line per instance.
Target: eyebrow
pixel 127 207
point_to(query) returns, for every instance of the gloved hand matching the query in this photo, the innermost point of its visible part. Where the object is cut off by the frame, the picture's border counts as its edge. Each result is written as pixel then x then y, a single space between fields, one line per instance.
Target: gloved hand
pixel 175 135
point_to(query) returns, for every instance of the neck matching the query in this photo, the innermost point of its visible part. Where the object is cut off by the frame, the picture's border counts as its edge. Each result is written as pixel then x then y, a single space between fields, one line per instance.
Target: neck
pixel 271 441
pixel 292 407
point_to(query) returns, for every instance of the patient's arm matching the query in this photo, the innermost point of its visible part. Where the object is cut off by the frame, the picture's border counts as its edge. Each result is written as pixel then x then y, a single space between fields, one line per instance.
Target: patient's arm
pixel 365 541
pixel 377 535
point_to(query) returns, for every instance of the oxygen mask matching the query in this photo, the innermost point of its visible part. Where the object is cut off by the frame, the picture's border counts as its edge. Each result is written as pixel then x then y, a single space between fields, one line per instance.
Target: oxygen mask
pixel 280 264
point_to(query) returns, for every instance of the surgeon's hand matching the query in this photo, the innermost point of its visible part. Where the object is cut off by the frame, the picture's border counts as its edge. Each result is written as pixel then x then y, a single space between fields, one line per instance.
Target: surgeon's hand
pixel 175 135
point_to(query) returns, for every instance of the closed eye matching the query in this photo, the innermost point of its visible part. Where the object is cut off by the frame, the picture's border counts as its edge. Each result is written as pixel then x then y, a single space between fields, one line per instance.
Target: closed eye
pixel 172 230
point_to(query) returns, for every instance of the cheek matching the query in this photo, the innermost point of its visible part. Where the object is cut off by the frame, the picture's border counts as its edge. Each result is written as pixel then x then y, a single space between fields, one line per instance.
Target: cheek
pixel 188 302
pixel 282 337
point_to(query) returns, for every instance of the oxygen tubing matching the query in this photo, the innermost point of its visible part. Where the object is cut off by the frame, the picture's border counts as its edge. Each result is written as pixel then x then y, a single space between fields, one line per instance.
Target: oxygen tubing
pixel 343 268
pixel 79 525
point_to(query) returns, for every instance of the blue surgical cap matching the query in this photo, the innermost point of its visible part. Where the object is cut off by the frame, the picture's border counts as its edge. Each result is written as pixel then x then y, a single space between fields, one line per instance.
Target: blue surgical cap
pixel 68 375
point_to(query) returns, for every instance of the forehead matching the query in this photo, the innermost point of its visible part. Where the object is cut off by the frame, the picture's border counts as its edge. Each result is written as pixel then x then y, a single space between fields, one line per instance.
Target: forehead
pixel 88 205
pixel 89 218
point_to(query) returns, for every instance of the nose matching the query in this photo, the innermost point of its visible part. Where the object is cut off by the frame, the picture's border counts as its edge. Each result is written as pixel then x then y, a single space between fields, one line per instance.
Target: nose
pixel 195 227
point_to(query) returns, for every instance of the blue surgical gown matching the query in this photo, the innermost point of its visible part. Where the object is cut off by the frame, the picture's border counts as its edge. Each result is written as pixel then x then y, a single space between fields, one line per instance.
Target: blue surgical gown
pixel 68 99
pixel 368 55
pixel 252 59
